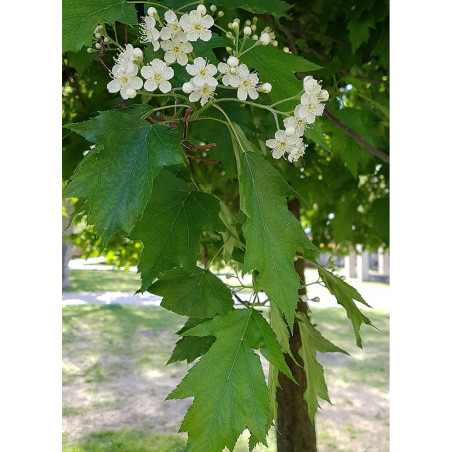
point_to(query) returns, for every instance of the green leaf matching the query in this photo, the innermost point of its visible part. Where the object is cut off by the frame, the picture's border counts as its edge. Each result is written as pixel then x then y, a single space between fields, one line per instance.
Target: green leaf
pixel 312 342
pixel 230 393
pixel 315 133
pixel 204 48
pixel 272 7
pixel 278 68
pixel 80 18
pixel 117 176
pixel 359 32
pixel 345 294
pixel 171 226
pixel 273 235
pixel 193 292
pixel 191 347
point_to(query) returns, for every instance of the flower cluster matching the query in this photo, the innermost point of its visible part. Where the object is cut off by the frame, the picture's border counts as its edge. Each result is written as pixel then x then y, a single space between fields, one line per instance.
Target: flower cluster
pixel 290 141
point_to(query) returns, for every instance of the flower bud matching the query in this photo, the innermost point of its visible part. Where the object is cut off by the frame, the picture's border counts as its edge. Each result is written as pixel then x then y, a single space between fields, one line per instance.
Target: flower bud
pixel 316 299
pixel 233 61
pixel 213 8
pixel 229 35
pixel 247 23
pixel 237 20
pixel 229 25
pixel 247 31
pixel 106 39
pixel 187 87
pixel 290 131
pixel 90 50
pixel 254 37
pixel 220 13
pixel 254 19
pixel 266 87
pixel 253 27
pixel 97 35
pixel 137 54
pixel 264 39
pixel 267 29
pixel 275 43
pixel 152 11
pixel 235 25
pixel 131 93
pixel 286 49
pixel 202 9
pixel 228 49
pixel 304 298
pixel 98 46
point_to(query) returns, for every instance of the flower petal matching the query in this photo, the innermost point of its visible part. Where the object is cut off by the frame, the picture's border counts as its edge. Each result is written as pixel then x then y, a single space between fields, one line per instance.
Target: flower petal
pixel 205 35
pixel 165 86
pixel 150 85
pixel 114 86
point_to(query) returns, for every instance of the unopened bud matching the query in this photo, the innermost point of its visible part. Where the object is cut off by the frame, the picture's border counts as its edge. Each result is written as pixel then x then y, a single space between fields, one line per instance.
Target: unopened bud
pixel 106 40
pixel 187 88
pixel 230 25
pixel 152 11
pixel 316 299
pixel 98 46
pixel 286 49
pixel 304 298
pixel 247 23
pixel 275 43
pixel 253 27
pixel 97 35
pixel 131 93
pixel 137 53
pixel 202 9
pixel 254 19
pixel 90 50
pixel 266 87
pixel 254 37
pixel 264 39
pixel 220 13
pixel 229 35
pixel 233 61
pixel 237 20
pixel 235 25
pixel 213 8
pixel 228 49
pixel 247 31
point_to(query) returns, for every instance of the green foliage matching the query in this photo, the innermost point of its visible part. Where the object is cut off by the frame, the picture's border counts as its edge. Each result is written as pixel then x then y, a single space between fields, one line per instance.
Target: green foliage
pixel 193 292
pixel 272 233
pixel 171 225
pixel 312 342
pixel 223 403
pixel 117 175
pixel 277 9
pixel 345 294
pixel 80 18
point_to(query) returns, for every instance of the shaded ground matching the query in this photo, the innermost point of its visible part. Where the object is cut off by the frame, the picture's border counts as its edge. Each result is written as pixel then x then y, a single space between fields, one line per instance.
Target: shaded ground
pixel 114 376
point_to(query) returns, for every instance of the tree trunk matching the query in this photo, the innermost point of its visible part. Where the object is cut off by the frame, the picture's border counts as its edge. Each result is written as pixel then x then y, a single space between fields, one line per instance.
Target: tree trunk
pixel 296 433
pixel 67 245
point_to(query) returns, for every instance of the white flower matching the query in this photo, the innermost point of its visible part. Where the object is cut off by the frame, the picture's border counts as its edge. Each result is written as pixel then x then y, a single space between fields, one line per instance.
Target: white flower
pixel 310 108
pixel 233 61
pixel 202 9
pixel 149 33
pixel 264 39
pixel 203 73
pixel 176 50
pixel 245 82
pixel 205 93
pixel 297 151
pixel 125 81
pixel 137 54
pixel 152 12
pixel 323 96
pixel 157 75
pixel 281 143
pixel 247 31
pixel 228 71
pixel 173 28
pixel 296 122
pixel 196 25
pixel 127 58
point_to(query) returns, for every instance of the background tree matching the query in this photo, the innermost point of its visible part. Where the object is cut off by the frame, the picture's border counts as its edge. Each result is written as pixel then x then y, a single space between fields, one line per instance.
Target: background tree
pixel 343 177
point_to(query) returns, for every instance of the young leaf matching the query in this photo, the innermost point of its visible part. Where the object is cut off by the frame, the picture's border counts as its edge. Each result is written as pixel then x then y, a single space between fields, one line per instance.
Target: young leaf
pixel 171 225
pixel 312 342
pixel 315 133
pixel 80 18
pixel 230 392
pixel 193 292
pixel 118 179
pixel 273 235
pixel 191 347
pixel 345 294
pixel 278 68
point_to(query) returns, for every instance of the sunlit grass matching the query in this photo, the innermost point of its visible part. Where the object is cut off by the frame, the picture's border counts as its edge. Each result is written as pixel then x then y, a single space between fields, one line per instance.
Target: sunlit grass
pixel 103 281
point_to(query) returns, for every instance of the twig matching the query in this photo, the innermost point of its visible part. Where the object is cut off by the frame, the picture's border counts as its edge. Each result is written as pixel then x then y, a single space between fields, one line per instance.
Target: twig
pixel 358 138
pixel 194 157
pixel 125 35
pixel 245 303
pixel 102 52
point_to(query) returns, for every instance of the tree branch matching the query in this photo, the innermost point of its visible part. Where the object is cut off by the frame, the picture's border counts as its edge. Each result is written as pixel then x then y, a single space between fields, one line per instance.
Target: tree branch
pixel 358 138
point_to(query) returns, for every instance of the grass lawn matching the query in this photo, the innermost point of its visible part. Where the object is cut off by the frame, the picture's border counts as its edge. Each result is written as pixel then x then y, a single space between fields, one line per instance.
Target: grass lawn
pixel 103 281
pixel 114 371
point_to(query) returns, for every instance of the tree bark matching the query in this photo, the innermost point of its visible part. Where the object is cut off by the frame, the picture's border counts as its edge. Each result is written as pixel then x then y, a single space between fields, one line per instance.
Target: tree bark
pixel 296 432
